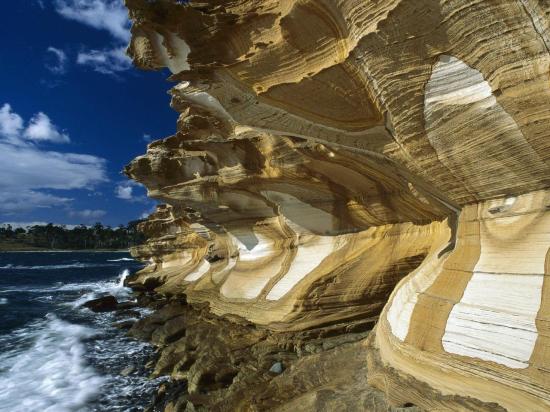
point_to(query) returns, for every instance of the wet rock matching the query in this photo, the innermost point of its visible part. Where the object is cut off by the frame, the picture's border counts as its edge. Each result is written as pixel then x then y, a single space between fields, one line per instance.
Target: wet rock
pixel 127 313
pixel 127 305
pixel 126 324
pixel 144 300
pixel 144 328
pixel 104 304
pixel 128 370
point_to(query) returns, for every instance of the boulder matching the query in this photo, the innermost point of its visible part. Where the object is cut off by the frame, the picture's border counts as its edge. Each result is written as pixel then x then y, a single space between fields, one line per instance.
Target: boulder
pixel 103 304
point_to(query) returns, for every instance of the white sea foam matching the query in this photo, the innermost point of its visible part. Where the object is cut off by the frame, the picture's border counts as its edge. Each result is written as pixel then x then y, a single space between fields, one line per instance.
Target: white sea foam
pixel 3 301
pixel 90 289
pixel 115 288
pixel 120 260
pixel 49 373
pixel 125 273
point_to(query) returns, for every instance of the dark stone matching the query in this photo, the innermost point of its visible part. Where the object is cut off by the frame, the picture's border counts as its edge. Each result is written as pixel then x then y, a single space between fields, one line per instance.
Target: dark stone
pixel 151 283
pixel 125 324
pixel 158 304
pixel 144 300
pixel 104 304
pixel 170 331
pixel 127 305
pixel 214 258
pixel 127 313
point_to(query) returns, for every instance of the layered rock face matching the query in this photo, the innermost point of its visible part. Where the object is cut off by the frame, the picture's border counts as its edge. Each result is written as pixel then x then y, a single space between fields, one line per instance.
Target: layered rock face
pixel 342 160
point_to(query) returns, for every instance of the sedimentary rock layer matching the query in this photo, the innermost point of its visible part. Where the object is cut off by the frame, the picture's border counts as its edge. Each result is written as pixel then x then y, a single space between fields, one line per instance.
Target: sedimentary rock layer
pixel 222 365
pixel 331 153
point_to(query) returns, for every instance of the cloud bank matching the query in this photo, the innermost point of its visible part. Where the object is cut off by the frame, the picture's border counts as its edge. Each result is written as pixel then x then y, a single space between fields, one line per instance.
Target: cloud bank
pixel 107 15
pixel 29 172
pixel 108 61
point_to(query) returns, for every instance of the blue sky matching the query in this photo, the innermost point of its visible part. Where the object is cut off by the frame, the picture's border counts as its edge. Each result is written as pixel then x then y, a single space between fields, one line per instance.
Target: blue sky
pixel 73 112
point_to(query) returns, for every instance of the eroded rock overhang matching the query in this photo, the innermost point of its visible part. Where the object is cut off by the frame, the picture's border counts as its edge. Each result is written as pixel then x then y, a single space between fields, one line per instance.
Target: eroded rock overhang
pixel 327 151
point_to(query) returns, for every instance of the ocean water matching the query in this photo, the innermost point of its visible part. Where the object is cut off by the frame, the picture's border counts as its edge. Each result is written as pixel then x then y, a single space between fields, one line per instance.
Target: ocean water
pixel 55 355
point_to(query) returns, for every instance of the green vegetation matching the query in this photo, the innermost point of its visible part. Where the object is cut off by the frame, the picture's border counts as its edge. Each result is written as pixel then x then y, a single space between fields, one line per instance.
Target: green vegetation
pixel 81 237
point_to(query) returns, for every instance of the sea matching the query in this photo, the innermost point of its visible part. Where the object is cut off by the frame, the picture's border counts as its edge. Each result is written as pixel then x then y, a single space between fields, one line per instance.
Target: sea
pixel 56 355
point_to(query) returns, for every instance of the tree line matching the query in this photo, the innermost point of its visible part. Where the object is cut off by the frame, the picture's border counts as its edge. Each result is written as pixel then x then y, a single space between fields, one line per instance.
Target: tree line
pixel 51 236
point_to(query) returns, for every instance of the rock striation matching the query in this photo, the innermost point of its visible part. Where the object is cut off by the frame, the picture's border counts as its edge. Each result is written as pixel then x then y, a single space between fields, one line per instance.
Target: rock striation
pixel 384 161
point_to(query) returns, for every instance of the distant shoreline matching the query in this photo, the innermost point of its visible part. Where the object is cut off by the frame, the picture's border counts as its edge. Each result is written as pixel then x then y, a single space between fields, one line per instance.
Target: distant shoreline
pixel 64 251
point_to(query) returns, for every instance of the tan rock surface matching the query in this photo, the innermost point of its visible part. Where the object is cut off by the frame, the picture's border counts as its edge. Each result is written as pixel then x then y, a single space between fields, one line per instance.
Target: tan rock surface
pixel 330 153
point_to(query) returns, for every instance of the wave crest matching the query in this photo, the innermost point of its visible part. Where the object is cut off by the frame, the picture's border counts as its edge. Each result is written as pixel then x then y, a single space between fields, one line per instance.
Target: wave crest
pixel 52 374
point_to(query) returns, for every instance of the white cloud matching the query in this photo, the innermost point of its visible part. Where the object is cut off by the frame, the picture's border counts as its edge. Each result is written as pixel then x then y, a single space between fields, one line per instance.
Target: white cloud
pixel 23 200
pixel 148 212
pixel 11 124
pixel 28 167
pixel 28 171
pixel 124 192
pixel 16 225
pixel 88 214
pixel 41 128
pixel 109 61
pixel 109 15
pixel 58 62
pixel 26 225
pixel 147 138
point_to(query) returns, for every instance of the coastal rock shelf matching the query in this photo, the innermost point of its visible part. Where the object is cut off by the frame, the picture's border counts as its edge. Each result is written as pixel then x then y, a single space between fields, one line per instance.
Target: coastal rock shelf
pixel 385 161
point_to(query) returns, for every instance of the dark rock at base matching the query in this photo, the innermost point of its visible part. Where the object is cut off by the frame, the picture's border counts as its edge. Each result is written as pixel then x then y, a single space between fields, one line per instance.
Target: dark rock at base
pixel 125 324
pixel 144 300
pixel 171 331
pixel 127 313
pixel 127 305
pixel 172 396
pixel 151 301
pixel 144 328
pixel 104 304
pixel 217 364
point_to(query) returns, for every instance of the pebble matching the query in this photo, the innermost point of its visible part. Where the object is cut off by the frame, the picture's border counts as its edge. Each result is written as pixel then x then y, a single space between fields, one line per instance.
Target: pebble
pixel 277 368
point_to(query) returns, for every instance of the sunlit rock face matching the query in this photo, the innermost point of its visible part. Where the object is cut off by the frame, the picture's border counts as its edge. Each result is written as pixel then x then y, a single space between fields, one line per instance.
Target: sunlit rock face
pixel 331 153
pixel 289 233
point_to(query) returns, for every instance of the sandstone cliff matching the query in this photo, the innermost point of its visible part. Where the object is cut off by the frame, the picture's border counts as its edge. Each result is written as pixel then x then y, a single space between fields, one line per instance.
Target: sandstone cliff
pixel 338 161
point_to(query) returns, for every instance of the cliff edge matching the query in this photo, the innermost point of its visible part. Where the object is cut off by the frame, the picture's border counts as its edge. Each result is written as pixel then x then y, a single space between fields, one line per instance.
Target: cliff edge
pixel 343 163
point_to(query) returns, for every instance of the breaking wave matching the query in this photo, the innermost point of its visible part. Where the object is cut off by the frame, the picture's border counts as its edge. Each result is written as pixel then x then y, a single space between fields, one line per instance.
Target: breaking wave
pixel 48 372
pixel 115 288
pixel 56 355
